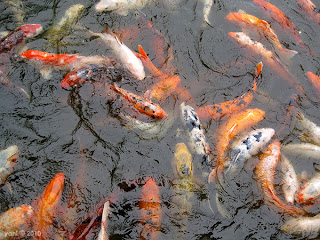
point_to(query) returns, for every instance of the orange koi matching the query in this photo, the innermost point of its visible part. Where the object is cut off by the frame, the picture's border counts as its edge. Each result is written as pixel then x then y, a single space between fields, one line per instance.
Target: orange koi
pixel 277 15
pixel 217 111
pixel 265 171
pixel 251 24
pixel 236 124
pixel 311 9
pixel 267 57
pixel 46 206
pixel 15 220
pixel 315 80
pixel 141 104
pixel 150 206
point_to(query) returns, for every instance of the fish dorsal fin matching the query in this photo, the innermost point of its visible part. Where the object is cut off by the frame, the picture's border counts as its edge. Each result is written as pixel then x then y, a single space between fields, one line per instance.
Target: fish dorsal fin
pixel 258 70
pixel 142 52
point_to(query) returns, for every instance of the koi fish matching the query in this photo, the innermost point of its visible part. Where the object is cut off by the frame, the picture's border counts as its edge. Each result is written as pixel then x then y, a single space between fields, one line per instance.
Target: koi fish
pixel 16 220
pixel 150 207
pixel 124 55
pixel 310 131
pixel 8 159
pixel 310 192
pixel 46 206
pixel 183 161
pixel 252 24
pixel 121 7
pixel 79 76
pixel 217 111
pixel 315 80
pixel 19 36
pixel 290 183
pixel 267 57
pixel 265 171
pixel 305 149
pixel 66 25
pixel 278 16
pixel 163 88
pixel 310 9
pixel 248 146
pixel 49 61
pixel 103 231
pixel 142 105
pixel 193 128
pixel 207 5
pixel 236 124
pixel 306 227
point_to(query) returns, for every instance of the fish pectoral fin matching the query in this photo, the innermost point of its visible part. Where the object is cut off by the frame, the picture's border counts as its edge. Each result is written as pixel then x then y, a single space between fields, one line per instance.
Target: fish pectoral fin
pixel 286 55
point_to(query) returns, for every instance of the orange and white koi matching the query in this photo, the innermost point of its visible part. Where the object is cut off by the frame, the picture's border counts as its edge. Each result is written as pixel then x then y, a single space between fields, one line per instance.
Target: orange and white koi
pixel 103 231
pixel 310 131
pixel 268 58
pixel 8 159
pixel 150 207
pixel 15 222
pixel 124 55
pixel 290 183
pixel 46 206
pixel 217 111
pixel 265 171
pixel 251 24
pixel 310 192
pixel 315 80
pixel 311 9
pixel 277 15
pixel 121 7
pixel 18 36
pixel 141 104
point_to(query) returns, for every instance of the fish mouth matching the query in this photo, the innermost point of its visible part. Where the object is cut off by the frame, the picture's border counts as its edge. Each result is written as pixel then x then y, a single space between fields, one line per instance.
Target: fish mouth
pixel 9 154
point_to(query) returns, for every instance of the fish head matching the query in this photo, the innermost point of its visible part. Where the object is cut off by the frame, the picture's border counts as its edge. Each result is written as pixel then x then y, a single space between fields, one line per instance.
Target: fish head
pixel 235 17
pixel 31 30
pixel 9 157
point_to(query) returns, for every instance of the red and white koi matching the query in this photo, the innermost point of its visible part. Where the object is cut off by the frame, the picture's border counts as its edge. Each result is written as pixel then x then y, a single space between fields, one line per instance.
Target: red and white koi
pixel 265 171
pixel 268 58
pixel 311 9
pixel 121 7
pixel 304 149
pixel 103 231
pixel 290 183
pixel 251 24
pixel 8 159
pixel 248 146
pixel 310 131
pixel 16 221
pixel 141 104
pixel 124 55
pixel 19 36
pixel 310 192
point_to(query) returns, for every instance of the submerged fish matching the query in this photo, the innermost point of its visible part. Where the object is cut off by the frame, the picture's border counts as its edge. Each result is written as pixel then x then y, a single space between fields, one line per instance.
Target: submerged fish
pixel 306 227
pixel 150 208
pixel 193 128
pixel 124 55
pixel 311 9
pixel 315 80
pixel 310 131
pixel 16 222
pixel 290 183
pixel 17 9
pixel 121 7
pixel 19 36
pixel 246 147
pixel 103 231
pixel 8 159
pixel 46 206
pixel 310 192
pixel 268 58
pixel 220 110
pixel 142 105
pixel 266 171
pixel 305 149
pixel 251 24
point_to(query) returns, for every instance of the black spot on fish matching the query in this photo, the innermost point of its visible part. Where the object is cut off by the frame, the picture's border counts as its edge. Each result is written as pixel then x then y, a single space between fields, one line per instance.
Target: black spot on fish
pixel 247 143
pixel 258 136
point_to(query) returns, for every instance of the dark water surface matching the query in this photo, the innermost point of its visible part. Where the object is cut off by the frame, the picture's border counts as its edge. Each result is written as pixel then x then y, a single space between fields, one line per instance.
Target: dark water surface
pixel 79 134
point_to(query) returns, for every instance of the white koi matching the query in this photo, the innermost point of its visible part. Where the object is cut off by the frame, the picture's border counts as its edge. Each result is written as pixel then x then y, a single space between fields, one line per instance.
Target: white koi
pixel 8 159
pixel 304 149
pixel 121 7
pixel 307 227
pixel 310 131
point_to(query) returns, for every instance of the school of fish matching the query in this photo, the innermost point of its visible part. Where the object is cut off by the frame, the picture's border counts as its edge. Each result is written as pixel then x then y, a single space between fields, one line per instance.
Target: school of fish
pixel 206 158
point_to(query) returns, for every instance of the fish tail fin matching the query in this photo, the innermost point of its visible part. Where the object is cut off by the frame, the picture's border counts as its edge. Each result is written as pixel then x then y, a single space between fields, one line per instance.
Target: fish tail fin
pixel 286 55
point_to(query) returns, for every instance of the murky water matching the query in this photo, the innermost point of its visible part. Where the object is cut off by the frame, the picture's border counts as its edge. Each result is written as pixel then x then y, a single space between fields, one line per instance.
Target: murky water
pixel 79 133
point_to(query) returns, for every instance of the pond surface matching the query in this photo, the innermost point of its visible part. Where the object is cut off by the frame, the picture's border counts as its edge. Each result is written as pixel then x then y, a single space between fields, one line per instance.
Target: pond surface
pixel 80 134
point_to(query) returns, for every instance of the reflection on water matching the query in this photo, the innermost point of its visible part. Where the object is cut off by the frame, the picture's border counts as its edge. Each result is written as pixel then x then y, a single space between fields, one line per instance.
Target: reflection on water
pixel 86 133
